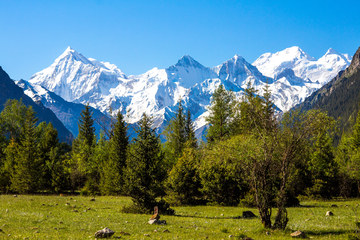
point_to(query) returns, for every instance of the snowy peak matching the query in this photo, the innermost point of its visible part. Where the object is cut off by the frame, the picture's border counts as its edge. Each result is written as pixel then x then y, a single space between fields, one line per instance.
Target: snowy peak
pixel 303 65
pixel 71 54
pixel 188 61
pixel 237 70
pixel 73 76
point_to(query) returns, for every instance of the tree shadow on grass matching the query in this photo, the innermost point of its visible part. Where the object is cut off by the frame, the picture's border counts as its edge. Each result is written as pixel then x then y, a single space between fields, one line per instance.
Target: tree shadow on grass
pixel 206 217
pixel 328 232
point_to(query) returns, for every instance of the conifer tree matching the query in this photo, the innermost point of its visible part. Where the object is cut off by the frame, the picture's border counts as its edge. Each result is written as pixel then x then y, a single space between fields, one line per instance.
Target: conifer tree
pixel 86 128
pixel 145 171
pixel 190 131
pixel 82 153
pixel 112 179
pixel 221 112
pixel 27 162
pixel 176 135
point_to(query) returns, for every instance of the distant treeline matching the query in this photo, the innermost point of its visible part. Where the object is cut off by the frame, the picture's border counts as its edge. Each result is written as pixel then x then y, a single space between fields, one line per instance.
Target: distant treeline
pixel 252 157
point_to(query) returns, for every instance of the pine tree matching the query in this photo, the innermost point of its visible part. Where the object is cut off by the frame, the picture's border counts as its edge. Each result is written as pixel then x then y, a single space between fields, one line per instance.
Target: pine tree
pixel 27 162
pixel 176 135
pixel 48 141
pixel 86 128
pixel 323 167
pixel 190 131
pixel 145 171
pixel 82 152
pixel 112 179
pixel 221 112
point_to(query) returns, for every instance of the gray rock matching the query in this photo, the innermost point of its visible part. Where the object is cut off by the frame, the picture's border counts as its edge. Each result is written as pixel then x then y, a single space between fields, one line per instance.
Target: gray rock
pixel 105 233
pixel 329 213
pixel 156 221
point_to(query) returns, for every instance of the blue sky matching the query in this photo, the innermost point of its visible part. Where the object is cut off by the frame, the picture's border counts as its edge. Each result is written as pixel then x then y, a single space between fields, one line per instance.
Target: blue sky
pixel 140 35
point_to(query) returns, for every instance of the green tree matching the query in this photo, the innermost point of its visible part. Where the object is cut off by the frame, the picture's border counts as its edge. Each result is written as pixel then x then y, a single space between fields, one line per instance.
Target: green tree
pixel 322 167
pixel 221 112
pixel 176 136
pixel 27 162
pixel 184 182
pixel 12 120
pixel 82 154
pixel 221 173
pixel 112 179
pixel 348 159
pixel 48 141
pixel 190 131
pixel 86 128
pixel 145 171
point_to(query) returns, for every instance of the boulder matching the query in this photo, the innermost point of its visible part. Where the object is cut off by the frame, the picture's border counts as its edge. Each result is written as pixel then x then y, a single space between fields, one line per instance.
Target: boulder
pixel 329 213
pixel 298 234
pixel 248 214
pixel 105 233
pixel 156 221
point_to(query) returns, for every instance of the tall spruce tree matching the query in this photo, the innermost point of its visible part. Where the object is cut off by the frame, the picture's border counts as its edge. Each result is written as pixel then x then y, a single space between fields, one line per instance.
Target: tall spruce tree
pixel 145 171
pixel 82 153
pixel 190 131
pixel 221 112
pixel 27 162
pixel 176 135
pixel 86 128
pixel 112 179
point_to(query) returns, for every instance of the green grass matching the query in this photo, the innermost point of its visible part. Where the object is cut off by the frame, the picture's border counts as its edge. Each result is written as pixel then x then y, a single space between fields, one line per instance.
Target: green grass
pixel 48 217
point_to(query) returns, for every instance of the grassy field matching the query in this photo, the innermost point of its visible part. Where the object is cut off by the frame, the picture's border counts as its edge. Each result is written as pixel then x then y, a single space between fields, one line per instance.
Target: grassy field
pixel 76 217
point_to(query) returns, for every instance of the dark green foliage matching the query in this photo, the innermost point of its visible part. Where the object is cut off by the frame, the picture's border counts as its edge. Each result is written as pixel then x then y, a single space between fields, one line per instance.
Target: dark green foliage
pixel 322 167
pixel 348 159
pixel 221 111
pixel 221 174
pixel 83 167
pixel 176 136
pixel 86 129
pixel 145 172
pixel 113 166
pixel 26 174
pixel 190 130
pixel 184 181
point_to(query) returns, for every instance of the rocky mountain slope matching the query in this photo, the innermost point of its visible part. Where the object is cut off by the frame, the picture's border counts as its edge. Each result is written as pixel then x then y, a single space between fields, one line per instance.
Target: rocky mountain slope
pixel 67 112
pixel 9 90
pixel 339 97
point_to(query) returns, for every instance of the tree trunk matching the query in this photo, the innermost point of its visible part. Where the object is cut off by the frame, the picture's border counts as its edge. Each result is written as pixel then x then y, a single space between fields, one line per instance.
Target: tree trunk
pixel 265 216
pixel 281 219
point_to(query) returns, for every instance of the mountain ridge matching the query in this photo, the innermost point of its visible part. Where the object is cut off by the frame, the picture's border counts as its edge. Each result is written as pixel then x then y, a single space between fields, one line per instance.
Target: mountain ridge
pixel 157 91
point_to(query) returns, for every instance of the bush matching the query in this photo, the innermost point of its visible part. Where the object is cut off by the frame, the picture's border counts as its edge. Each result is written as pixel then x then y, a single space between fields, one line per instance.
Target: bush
pixel 163 207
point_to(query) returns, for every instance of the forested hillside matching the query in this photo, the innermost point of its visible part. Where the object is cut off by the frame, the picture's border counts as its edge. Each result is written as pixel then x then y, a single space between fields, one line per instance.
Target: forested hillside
pixel 340 97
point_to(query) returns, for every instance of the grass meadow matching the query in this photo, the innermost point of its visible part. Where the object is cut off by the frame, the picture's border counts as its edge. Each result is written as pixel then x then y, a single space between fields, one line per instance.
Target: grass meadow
pixel 76 217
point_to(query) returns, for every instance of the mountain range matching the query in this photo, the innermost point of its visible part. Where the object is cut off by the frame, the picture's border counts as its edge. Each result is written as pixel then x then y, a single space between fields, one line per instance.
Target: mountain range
pixel 339 97
pixel 292 75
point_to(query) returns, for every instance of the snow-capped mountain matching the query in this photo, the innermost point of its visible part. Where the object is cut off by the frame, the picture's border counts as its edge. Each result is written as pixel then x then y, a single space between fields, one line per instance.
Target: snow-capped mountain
pixel 303 65
pixel 290 73
pixel 67 112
